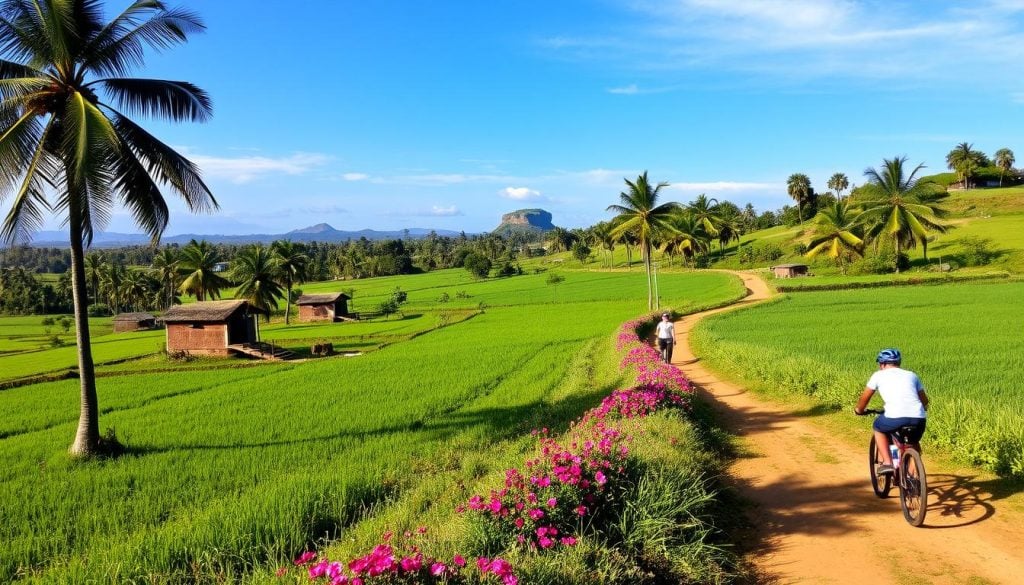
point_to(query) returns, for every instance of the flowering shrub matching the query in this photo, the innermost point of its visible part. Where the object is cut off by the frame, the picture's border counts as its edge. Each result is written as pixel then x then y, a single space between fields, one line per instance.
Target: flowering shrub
pixel 387 564
pixel 568 486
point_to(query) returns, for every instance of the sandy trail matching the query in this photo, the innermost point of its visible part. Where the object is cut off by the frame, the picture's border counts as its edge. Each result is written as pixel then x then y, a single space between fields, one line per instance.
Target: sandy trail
pixel 816 519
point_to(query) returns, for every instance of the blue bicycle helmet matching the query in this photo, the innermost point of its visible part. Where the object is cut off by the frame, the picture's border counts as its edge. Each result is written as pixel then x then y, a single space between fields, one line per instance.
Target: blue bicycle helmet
pixel 889 356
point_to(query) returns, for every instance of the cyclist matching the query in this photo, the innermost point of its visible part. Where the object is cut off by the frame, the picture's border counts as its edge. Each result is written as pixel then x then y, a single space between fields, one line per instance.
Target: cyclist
pixel 666 337
pixel 905 403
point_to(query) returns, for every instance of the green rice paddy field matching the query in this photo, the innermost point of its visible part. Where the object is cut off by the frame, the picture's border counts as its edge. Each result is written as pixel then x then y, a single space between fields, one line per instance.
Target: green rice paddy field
pixel 232 470
pixel 965 341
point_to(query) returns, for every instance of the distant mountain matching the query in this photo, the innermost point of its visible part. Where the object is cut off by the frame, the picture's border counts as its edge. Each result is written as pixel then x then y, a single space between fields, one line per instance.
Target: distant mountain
pixel 320 232
pixel 533 222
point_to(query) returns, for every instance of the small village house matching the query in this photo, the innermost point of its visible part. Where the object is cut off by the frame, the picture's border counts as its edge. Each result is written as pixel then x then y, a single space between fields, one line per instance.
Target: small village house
pixel 323 307
pixel 789 270
pixel 212 327
pixel 134 322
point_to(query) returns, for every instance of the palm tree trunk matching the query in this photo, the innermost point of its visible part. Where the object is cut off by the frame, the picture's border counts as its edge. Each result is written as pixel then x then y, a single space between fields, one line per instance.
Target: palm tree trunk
pixel 87 438
pixel 897 239
pixel 288 303
pixel 646 251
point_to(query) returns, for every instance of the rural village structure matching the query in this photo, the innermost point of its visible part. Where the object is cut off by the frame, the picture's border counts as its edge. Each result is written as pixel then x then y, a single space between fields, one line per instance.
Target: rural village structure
pixel 212 327
pixel 323 307
pixel 134 322
pixel 789 270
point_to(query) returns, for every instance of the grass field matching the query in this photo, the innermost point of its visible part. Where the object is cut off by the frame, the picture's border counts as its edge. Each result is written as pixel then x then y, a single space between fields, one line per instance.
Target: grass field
pixel 233 468
pixel 964 340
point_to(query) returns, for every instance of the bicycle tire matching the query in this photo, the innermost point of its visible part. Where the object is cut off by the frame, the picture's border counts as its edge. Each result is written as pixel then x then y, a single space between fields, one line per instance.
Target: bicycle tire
pixel 882 484
pixel 913 488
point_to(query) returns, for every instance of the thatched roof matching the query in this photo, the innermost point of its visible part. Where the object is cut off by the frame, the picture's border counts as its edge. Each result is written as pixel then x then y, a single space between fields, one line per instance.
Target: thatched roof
pixel 207 311
pixel 134 317
pixel 322 299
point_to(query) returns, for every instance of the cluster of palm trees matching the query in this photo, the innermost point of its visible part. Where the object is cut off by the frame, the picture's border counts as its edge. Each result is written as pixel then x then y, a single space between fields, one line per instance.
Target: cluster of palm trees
pixel 965 161
pixel 677 230
pixel 894 206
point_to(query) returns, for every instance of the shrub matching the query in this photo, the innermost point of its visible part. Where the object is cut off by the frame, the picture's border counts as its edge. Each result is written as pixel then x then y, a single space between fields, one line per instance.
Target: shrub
pixel 477 265
pixel 99 310
pixel 760 253
pixel 554 278
pixel 977 251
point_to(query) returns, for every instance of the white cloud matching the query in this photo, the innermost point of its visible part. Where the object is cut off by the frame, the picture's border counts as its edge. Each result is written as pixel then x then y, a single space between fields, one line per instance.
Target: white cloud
pixel 434 211
pixel 630 89
pixel 725 187
pixel 438 211
pixel 249 168
pixel 355 176
pixel 521 194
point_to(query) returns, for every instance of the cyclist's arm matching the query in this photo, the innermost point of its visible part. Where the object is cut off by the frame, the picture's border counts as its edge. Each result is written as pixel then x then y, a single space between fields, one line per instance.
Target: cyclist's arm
pixel 923 397
pixel 865 398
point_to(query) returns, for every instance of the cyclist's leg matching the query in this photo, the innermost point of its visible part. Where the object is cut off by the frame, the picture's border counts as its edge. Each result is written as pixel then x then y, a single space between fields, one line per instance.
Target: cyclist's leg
pixel 882 427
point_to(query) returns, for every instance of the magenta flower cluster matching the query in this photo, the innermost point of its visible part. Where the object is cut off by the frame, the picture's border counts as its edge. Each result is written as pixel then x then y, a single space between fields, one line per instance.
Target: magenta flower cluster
pixel 386 564
pixel 569 485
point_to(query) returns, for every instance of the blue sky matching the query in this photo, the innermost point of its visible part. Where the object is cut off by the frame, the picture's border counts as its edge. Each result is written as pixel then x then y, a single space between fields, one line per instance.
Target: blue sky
pixel 393 114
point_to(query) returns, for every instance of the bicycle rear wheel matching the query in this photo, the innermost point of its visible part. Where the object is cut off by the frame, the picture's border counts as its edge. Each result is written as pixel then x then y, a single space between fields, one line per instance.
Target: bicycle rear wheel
pixel 880 483
pixel 913 487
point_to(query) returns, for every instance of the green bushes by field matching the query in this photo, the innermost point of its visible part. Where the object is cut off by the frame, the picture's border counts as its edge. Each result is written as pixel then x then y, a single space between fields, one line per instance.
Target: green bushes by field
pixel 964 340
pixel 231 469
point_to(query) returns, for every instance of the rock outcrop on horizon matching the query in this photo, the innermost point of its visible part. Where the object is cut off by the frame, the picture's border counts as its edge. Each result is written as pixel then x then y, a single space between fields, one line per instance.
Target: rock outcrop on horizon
pixel 533 222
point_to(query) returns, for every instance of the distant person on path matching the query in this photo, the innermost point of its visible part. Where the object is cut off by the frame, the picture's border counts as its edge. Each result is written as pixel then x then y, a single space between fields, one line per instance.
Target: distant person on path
pixel 666 337
pixel 905 403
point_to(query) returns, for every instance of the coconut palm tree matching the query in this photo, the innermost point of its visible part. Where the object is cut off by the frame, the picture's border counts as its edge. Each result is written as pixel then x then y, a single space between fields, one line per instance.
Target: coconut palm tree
pixel 798 185
pixel 640 213
pixel 64 129
pixel 95 264
pixel 965 160
pixel 1004 160
pixel 110 285
pixel 838 183
pixel 602 234
pixel 560 240
pixel 166 268
pixel 197 263
pixel 687 236
pixel 705 212
pixel 135 289
pixel 256 272
pixel 292 263
pixel 836 232
pixel 899 206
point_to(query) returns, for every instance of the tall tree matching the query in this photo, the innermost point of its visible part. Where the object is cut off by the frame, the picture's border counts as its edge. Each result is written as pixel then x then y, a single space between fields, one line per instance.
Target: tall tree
pixel 836 232
pixel 95 264
pixel 256 272
pixel 964 160
pixel 292 264
pixel 1004 160
pixel 838 183
pixel 705 212
pixel 687 237
pixel 639 212
pixel 165 267
pixel 798 185
pixel 560 240
pixel 197 263
pixel 58 59
pixel 900 206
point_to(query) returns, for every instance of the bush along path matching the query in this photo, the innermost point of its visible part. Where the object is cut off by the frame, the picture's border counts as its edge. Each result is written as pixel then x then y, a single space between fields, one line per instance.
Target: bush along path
pixel 622 496
pixel 814 517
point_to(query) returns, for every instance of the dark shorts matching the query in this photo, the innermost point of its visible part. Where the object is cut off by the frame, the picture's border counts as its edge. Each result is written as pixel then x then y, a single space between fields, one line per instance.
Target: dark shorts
pixel 664 343
pixel 884 424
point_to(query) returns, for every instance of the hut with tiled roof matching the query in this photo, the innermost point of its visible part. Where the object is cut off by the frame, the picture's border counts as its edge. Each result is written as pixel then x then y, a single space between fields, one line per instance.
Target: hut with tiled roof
pixel 211 327
pixel 323 307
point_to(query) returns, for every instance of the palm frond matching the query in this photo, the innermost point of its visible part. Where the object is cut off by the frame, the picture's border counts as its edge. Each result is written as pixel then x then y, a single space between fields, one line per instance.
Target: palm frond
pixel 120 46
pixel 172 100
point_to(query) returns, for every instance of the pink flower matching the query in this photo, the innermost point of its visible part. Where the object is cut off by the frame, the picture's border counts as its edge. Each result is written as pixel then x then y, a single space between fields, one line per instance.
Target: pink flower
pixel 552 502
pixel 536 514
pixel 438 569
pixel 305 558
pixel 600 478
pixel 581 510
pixel 459 561
pixel 568 541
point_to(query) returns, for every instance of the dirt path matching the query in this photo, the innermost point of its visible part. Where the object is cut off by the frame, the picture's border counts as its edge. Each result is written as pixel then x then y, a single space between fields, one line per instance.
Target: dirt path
pixel 816 518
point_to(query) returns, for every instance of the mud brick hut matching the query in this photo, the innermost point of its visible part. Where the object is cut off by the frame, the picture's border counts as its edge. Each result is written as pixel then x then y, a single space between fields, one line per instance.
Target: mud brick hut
pixel 789 270
pixel 134 322
pixel 323 307
pixel 212 327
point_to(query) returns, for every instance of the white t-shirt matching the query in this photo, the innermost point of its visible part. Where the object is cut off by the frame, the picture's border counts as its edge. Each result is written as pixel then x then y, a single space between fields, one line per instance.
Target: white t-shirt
pixel 899 389
pixel 666 330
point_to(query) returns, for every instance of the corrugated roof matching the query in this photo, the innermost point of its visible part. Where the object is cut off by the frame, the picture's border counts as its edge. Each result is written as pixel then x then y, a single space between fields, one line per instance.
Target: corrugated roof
pixel 321 299
pixel 134 317
pixel 206 311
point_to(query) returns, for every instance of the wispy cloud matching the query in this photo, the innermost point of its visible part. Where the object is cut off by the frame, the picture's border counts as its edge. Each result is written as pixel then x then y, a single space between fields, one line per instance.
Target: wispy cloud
pixel 355 176
pixel 434 211
pixel 521 194
pixel 715 187
pixel 803 39
pixel 246 169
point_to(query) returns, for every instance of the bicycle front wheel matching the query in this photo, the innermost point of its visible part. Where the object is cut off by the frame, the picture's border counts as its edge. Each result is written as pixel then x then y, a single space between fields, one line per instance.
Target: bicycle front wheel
pixel 913 487
pixel 880 483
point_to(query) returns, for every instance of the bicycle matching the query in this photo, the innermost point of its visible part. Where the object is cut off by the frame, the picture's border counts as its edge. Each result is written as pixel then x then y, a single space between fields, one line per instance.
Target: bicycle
pixel 908 473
